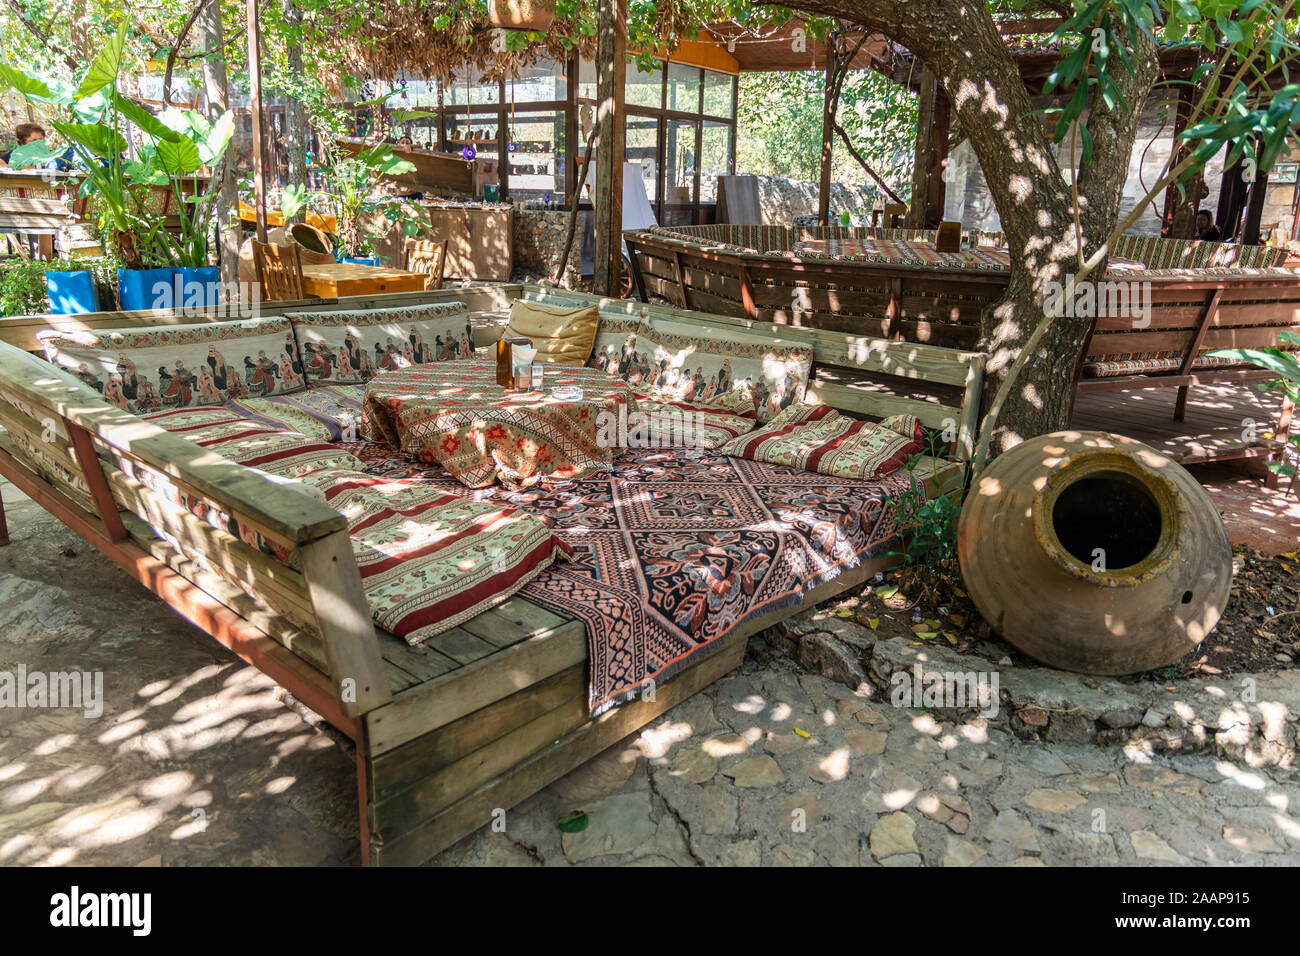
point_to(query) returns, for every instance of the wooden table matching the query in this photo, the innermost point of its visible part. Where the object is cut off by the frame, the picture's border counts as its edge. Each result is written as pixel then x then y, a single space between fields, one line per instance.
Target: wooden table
pixel 333 280
pixel 454 414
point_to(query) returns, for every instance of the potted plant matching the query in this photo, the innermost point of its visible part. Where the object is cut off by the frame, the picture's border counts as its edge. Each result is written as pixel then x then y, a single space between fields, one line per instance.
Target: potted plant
pixel 175 146
pixel 350 183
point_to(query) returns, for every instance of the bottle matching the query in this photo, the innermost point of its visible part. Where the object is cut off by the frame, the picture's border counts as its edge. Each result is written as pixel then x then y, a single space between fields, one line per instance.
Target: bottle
pixel 505 360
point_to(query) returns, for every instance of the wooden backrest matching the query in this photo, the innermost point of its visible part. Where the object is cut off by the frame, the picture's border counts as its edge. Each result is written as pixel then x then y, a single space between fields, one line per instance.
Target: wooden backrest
pixel 427 256
pixel 1189 317
pixel 279 271
pixel 122 481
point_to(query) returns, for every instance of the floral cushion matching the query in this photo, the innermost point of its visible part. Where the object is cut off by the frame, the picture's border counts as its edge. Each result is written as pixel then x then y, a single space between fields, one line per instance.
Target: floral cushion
pixel 818 438
pixel 429 559
pixel 150 368
pixel 678 362
pixel 353 346
pixel 615 344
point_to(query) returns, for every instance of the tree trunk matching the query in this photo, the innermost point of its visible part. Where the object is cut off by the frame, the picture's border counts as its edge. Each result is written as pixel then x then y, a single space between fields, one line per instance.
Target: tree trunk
pixel 964 48
pixel 226 208
pixel 295 117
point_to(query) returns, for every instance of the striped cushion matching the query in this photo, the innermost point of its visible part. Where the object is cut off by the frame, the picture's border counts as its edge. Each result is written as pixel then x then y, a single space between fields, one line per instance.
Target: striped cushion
pixel 1108 368
pixel 429 559
pixel 818 438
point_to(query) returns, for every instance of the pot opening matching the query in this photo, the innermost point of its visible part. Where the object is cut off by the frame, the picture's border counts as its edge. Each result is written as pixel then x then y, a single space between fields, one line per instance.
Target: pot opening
pixel 1109 520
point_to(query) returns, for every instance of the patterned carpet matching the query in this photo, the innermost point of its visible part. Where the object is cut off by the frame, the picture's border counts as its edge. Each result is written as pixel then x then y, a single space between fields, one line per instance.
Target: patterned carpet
pixel 674 550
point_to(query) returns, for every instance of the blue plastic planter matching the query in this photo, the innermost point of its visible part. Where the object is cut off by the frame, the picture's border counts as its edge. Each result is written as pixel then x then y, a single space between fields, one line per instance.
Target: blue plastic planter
pixel 209 277
pixel 363 260
pixel 173 287
pixel 72 293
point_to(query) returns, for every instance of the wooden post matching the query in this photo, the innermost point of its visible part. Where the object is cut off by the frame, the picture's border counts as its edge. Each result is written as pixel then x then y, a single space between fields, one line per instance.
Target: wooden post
pixel 933 120
pixel 1177 219
pixel 259 130
pixel 611 64
pixel 830 101
pixel 226 210
pixel 1254 205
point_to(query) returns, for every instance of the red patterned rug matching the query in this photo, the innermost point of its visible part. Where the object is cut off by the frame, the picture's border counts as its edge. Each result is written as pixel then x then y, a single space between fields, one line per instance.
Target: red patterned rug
pixel 674 550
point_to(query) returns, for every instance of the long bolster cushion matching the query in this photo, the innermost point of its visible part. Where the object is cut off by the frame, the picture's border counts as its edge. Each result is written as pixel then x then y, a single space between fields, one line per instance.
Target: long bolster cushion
pixel 151 368
pixel 355 345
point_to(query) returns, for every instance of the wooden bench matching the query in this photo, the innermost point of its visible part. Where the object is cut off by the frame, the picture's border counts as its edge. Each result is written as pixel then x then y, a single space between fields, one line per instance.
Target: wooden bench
pixel 1189 318
pixel 479 717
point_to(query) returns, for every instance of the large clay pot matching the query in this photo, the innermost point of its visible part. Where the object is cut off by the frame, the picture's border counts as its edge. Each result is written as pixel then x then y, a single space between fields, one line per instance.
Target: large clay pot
pixel 1095 553
pixel 314 246
pixel 536 15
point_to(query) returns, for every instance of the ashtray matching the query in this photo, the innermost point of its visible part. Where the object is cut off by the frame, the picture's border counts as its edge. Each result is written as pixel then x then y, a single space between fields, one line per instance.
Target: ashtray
pixel 567 393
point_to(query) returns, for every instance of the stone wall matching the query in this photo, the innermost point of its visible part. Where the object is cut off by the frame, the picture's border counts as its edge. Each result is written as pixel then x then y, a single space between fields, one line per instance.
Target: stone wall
pixel 539 243
pixel 783 199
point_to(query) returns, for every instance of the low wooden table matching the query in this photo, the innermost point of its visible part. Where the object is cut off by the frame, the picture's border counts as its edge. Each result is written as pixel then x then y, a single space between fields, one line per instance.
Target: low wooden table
pixel 333 280
pixel 455 415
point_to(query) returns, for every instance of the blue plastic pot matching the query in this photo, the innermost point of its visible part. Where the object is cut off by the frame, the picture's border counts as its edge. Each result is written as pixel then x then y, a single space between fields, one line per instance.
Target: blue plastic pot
pixel 173 287
pixel 362 260
pixel 72 293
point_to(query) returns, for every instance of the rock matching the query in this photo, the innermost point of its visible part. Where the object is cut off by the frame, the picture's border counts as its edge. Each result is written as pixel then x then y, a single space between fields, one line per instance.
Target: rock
pixel 1149 846
pixel 740 853
pixel 801 808
pixel 617 824
pixel 866 742
pixel 760 771
pixel 833 659
pixel 1155 777
pixel 709 809
pixel 693 765
pixel 1153 718
pixel 946 808
pixel 1121 717
pixel 697 711
pixel 1010 827
pixel 1100 783
pixel 959 852
pixel 1250 841
pixel 782 744
pixel 1055 801
pixel 1046 763
pixel 902 859
pixel 896 788
pixel 892 834
pixel 827 768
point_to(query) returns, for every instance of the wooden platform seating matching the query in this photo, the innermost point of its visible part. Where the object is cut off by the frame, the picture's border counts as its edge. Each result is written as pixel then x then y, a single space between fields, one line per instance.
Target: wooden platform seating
pixel 482 715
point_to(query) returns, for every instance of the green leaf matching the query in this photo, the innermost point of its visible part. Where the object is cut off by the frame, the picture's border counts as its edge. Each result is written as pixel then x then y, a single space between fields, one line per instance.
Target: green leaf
pixel 33 154
pixel 179 158
pixel 99 140
pixel 103 72
pixel 142 118
pixel 26 85
pixel 573 822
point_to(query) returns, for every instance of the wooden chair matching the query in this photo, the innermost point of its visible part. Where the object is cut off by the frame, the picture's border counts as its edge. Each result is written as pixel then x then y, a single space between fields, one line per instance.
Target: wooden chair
pixel 279 271
pixel 427 256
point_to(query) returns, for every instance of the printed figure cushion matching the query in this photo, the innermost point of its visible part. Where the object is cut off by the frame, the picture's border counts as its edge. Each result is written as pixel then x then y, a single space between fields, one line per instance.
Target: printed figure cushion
pixel 818 438
pixel 351 346
pixel 562 335
pixel 684 363
pixel 205 364
pixel 615 345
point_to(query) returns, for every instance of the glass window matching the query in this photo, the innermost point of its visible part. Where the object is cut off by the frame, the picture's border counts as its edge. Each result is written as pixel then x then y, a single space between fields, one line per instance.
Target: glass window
pixel 587 80
pixel 715 158
pixel 683 88
pixel 718 99
pixel 542 82
pixel 679 181
pixel 479 131
pixel 643 147
pixel 537 161
pixel 644 89
pixel 475 91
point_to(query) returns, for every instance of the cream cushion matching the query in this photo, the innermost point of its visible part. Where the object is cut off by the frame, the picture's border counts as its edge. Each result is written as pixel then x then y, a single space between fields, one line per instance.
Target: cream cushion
pixel 562 335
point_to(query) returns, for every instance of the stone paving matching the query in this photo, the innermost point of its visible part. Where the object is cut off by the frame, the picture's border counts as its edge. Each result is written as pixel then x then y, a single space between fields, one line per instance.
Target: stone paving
pixel 198 759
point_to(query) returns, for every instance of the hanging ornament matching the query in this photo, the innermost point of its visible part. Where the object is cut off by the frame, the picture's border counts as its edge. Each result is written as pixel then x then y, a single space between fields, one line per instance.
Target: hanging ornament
pixel 512 145
pixel 469 152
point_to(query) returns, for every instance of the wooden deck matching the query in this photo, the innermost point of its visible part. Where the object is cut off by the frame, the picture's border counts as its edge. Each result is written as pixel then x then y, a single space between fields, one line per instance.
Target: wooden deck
pixel 1215 425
